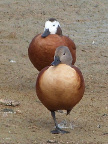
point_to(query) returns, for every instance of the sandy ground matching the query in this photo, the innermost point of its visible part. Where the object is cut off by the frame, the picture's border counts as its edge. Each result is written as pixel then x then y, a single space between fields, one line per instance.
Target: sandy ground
pixel 84 21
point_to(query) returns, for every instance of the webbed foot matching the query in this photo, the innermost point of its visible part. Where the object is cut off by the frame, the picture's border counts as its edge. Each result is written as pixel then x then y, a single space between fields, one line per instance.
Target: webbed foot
pixel 58 130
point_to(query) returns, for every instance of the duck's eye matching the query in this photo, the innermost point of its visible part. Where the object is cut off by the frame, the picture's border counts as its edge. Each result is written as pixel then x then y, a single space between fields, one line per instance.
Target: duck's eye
pixel 64 54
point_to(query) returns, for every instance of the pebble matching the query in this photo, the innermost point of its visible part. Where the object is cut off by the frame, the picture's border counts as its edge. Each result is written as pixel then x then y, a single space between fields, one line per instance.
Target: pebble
pixel 51 141
pixel 12 61
pixel 98 126
pixel 9 102
pixel 7 110
pixel 19 111
pixel 93 42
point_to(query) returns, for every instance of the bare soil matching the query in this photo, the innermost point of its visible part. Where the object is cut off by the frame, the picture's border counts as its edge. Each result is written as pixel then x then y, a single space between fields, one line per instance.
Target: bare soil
pixel 84 21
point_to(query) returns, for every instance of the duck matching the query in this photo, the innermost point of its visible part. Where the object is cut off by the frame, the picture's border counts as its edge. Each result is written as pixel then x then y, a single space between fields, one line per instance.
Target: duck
pixel 42 47
pixel 61 85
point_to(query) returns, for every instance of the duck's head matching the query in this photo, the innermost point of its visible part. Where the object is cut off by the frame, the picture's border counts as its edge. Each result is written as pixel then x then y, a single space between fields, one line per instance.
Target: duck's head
pixel 63 56
pixel 52 26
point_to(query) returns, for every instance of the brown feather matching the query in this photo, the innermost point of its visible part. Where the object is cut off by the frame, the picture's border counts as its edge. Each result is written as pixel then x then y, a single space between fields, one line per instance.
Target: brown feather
pixel 41 50
pixel 60 91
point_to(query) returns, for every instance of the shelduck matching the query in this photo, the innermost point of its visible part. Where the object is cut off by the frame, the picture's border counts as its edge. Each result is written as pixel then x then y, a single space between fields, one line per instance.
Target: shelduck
pixel 61 85
pixel 42 48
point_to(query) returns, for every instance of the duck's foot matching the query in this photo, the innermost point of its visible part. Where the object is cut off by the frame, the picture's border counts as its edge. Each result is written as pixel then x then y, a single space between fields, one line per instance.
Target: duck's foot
pixel 58 130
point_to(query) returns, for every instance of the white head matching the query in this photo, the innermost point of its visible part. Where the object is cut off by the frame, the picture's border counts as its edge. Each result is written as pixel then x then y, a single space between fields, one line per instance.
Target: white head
pixel 52 26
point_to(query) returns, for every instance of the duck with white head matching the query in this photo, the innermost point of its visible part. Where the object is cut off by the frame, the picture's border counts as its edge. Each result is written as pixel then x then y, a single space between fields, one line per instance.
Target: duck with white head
pixel 42 48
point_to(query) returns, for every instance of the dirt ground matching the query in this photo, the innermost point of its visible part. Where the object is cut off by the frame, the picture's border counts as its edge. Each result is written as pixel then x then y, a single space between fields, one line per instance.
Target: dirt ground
pixel 84 21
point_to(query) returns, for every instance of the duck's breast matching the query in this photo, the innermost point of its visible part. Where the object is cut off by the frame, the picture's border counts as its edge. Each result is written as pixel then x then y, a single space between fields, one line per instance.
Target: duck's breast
pixel 60 87
pixel 41 50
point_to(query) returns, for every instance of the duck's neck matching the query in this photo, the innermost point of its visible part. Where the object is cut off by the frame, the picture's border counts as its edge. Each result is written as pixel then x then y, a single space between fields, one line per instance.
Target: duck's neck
pixel 59 31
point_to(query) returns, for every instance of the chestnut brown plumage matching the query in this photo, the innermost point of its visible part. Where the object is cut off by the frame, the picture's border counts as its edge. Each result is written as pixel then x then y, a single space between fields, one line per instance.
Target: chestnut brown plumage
pixel 60 86
pixel 42 48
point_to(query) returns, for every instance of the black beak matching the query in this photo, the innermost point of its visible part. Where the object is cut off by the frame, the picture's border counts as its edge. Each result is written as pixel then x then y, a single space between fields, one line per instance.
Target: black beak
pixel 56 61
pixel 46 33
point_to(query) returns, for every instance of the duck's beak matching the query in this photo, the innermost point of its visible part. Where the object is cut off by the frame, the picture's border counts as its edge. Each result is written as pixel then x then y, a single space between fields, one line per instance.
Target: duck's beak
pixel 46 33
pixel 56 61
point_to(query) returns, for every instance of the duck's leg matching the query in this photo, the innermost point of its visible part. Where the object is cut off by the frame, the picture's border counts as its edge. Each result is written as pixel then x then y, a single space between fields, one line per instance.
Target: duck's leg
pixel 57 129
pixel 68 111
